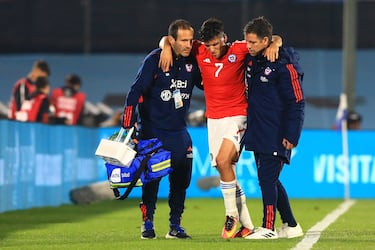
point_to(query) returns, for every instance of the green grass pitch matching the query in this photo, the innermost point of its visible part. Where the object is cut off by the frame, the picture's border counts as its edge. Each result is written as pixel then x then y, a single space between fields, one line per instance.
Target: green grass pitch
pixel 116 225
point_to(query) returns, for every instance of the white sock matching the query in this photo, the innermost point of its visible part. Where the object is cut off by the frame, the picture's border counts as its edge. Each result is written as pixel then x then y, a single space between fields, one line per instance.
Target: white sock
pixel 229 194
pixel 243 211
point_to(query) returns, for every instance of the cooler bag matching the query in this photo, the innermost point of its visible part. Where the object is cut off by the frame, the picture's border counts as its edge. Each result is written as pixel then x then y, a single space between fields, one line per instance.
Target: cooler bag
pixel 117 152
pixel 152 161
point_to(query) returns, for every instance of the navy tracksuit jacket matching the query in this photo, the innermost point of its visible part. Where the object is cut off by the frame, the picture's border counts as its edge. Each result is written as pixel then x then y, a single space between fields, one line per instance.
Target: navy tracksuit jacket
pixel 275 103
pixel 153 94
pixel 275 111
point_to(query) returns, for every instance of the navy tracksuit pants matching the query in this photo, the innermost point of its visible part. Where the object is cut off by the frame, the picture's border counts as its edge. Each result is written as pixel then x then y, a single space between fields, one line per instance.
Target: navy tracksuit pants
pixel 180 145
pixel 273 192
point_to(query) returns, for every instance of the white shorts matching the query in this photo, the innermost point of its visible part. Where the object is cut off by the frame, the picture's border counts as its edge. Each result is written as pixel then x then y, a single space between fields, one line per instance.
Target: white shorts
pixel 231 128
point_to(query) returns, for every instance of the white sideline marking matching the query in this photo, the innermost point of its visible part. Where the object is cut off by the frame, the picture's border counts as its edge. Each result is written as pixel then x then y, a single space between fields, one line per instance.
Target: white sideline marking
pixel 313 234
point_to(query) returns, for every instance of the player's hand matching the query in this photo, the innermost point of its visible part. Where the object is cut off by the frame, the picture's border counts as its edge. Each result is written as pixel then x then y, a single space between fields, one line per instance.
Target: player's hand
pixel 287 144
pixel 166 59
pixel 271 52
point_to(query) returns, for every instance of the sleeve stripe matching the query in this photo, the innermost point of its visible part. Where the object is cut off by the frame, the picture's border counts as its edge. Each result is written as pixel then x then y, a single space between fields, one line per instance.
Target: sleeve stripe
pixel 295 82
pixel 127 116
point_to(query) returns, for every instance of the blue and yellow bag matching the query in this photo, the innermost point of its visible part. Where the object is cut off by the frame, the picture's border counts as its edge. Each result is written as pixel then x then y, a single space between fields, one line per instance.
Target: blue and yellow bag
pixel 151 162
pixel 159 161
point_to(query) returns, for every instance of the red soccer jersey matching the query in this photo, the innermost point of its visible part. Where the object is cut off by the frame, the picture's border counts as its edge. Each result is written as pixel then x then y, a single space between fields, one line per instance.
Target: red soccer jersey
pixel 23 94
pixel 69 107
pixel 30 109
pixel 223 80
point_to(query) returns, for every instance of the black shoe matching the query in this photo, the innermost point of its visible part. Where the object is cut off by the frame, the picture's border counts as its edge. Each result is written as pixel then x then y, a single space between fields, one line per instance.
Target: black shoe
pixel 147 230
pixel 177 232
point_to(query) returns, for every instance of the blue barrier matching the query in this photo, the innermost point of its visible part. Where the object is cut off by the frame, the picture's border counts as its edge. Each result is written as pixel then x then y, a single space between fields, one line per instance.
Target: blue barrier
pixel 40 164
pixel 316 169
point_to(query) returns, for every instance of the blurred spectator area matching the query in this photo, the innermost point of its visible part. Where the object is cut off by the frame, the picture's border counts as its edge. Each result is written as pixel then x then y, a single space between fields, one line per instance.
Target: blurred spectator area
pixel 107 78
pixel 105 42
pixel 114 26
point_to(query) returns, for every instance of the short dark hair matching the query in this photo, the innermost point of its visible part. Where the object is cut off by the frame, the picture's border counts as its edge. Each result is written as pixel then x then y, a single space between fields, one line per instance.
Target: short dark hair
pixel 41 82
pixel 178 24
pixel 73 79
pixel 260 26
pixel 211 28
pixel 43 66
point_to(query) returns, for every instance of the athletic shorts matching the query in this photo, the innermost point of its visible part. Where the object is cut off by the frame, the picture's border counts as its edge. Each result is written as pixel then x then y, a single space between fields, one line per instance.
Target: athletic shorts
pixel 232 128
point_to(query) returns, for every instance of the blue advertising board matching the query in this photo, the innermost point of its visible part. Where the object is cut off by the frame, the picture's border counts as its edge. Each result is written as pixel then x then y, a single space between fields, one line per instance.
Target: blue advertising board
pixel 40 164
pixel 317 168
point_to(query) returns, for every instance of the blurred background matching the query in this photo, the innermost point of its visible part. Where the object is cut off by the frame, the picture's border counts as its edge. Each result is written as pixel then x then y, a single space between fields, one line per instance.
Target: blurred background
pixel 105 41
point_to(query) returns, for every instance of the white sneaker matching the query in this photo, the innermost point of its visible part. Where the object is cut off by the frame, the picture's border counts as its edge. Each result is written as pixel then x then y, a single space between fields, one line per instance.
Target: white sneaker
pixel 262 233
pixel 286 231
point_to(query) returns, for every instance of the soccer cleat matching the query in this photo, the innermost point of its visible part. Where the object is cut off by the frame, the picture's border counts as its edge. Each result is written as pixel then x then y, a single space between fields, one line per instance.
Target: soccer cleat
pixel 243 232
pixel 286 231
pixel 230 226
pixel 177 232
pixel 262 233
pixel 147 230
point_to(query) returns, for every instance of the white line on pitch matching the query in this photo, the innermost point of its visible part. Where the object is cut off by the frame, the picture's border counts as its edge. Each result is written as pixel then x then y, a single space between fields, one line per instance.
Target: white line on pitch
pixel 313 234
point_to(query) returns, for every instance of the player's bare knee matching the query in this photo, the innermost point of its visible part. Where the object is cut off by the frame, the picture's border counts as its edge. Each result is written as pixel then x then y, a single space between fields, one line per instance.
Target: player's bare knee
pixel 223 162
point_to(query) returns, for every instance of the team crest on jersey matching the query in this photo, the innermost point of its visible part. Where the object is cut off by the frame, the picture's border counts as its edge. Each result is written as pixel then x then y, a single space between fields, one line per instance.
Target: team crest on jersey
pixel 189 67
pixel 267 71
pixel 248 68
pixel 232 58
